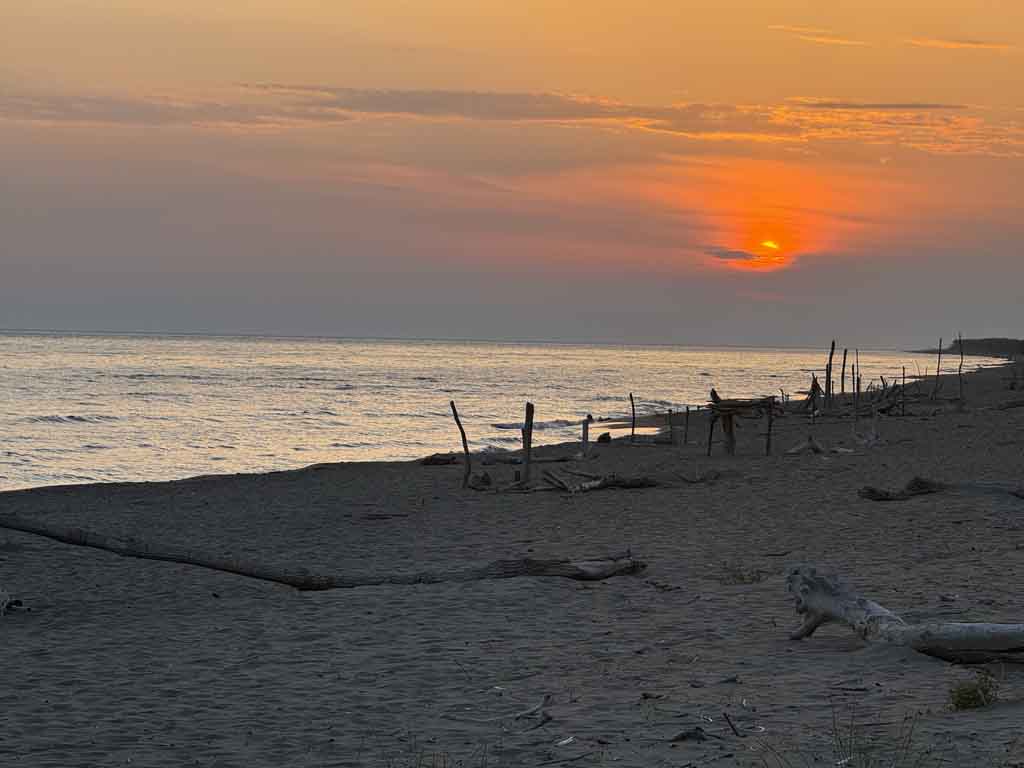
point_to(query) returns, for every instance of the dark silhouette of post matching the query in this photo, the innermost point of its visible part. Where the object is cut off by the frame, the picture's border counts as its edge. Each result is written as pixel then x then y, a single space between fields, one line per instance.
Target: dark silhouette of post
pixel 527 442
pixel 465 445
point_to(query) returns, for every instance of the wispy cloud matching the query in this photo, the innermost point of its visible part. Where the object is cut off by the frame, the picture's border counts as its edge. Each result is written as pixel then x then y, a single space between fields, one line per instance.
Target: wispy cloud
pixel 730 254
pixel 817 35
pixel 934 127
pixel 959 44
pixel 873 106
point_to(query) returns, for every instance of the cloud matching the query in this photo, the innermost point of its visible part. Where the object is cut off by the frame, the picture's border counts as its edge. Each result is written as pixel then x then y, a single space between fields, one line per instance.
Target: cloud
pixel 959 44
pixel 817 35
pixel 874 106
pixel 937 128
pixel 730 254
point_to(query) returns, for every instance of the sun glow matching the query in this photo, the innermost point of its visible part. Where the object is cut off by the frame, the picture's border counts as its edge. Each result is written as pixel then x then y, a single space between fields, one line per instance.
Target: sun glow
pixel 771 244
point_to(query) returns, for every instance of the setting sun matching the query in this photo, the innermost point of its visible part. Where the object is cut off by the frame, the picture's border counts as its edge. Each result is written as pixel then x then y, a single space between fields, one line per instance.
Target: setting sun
pixel 770 244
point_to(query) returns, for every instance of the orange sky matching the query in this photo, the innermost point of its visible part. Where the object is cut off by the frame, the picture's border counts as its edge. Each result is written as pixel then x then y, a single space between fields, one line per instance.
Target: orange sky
pixel 338 142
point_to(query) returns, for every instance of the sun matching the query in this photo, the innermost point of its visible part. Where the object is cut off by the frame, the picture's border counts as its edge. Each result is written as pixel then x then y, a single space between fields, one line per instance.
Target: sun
pixel 771 245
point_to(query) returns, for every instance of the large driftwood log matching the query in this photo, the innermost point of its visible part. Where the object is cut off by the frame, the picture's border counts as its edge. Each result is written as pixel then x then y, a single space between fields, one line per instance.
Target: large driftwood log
pixel 581 570
pixel 822 598
pixel 920 486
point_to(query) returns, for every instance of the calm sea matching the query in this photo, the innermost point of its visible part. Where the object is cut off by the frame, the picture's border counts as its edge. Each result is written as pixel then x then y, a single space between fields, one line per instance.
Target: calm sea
pixel 85 408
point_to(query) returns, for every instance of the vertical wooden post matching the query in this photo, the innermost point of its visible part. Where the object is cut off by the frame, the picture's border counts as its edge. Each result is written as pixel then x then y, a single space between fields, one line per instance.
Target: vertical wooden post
pixel 712 418
pixel 671 429
pixel 828 375
pixel 768 436
pixel 856 396
pixel 527 442
pixel 960 370
pixel 632 405
pixel 903 393
pixel 842 378
pixel 938 370
pixel 857 382
pixel 465 446
pixel 586 436
pixel 729 430
pixel 686 427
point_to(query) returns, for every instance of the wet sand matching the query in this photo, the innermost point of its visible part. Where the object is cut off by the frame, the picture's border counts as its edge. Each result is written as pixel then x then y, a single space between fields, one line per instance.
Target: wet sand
pixel 123 661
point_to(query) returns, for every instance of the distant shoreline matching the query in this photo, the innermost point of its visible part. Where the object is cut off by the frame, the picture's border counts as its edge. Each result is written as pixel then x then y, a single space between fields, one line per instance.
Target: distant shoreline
pixel 993 347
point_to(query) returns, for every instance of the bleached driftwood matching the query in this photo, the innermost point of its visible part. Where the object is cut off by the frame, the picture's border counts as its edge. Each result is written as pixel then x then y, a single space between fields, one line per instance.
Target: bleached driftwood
pixel 822 598
pixel 301 579
pixel 596 482
pixel 919 486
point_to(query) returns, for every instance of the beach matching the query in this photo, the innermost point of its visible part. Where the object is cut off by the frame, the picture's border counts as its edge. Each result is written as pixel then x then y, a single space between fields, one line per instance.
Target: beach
pixel 127 661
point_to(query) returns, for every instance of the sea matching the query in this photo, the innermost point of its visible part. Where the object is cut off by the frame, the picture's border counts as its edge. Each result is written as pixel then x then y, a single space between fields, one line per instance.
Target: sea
pixel 84 408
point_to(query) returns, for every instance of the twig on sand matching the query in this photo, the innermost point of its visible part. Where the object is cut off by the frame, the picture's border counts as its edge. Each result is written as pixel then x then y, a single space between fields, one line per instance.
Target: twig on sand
pixel 564 760
pixel 729 719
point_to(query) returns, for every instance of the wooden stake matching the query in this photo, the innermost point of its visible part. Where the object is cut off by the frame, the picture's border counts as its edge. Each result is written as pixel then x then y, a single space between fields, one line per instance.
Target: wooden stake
pixel 712 418
pixel 527 442
pixel 632 405
pixel 828 375
pixel 671 429
pixel 960 370
pixel 938 370
pixel 586 435
pixel 857 382
pixel 729 430
pixel 686 427
pixel 768 437
pixel 903 393
pixel 465 446
pixel 842 378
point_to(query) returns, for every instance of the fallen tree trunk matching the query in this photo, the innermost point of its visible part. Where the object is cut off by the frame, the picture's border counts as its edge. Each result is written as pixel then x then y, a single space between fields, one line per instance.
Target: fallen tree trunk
pixel 301 579
pixel 821 599
pixel 919 486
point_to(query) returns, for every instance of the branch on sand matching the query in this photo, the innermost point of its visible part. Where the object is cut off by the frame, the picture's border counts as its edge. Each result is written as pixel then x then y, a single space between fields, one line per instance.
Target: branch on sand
pixel 920 486
pixel 595 482
pixel 301 579
pixel 821 599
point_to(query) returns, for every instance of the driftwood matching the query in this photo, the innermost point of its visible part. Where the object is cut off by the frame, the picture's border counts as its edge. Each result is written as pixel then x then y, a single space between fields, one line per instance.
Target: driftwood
pixel 527 442
pixel 301 579
pixel 1009 405
pixel 439 460
pixel 465 446
pixel 596 482
pixel 920 486
pixel 810 445
pixel 822 598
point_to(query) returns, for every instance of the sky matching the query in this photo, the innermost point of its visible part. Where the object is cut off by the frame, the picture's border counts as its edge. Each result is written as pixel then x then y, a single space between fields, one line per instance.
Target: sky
pixel 659 171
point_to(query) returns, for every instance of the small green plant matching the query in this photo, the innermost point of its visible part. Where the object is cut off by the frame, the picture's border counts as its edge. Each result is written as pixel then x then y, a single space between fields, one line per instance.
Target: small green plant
pixel 855 744
pixel 974 694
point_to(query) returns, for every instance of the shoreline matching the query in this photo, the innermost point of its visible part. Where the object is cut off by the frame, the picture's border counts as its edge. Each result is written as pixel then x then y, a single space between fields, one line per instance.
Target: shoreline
pixel 163 663
pixel 649 421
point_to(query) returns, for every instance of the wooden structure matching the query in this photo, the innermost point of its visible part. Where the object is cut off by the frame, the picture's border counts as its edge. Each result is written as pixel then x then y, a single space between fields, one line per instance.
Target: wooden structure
pixel 728 410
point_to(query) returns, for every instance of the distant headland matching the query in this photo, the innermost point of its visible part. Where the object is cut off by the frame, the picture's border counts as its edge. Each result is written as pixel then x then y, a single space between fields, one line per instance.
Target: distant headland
pixel 996 347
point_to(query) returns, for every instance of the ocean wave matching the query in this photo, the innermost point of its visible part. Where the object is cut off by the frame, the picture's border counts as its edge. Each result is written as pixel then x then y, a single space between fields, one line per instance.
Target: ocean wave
pixel 73 419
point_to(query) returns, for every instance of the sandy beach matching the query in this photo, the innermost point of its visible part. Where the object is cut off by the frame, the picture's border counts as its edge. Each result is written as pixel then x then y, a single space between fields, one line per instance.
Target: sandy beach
pixel 124 661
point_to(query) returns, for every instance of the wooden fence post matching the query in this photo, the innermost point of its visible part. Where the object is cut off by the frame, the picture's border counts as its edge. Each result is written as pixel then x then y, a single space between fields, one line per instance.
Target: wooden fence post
pixel 465 446
pixel 632 405
pixel 527 442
